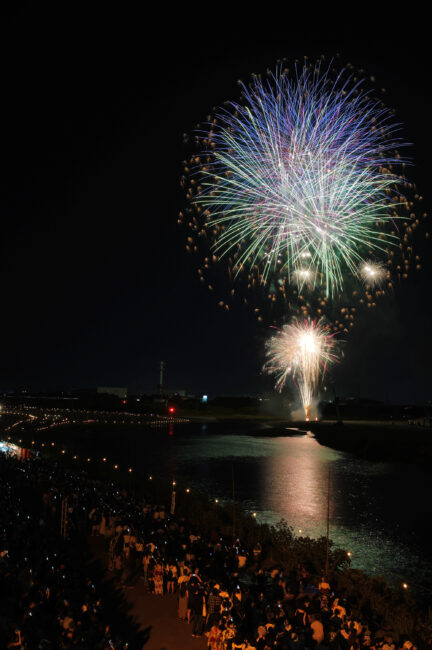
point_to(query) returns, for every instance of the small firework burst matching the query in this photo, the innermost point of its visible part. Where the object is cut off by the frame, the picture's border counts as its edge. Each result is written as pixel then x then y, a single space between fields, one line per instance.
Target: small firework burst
pixel 302 351
pixel 373 273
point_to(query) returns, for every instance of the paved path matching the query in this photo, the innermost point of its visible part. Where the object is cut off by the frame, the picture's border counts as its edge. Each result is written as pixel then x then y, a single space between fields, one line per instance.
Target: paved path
pixel 159 613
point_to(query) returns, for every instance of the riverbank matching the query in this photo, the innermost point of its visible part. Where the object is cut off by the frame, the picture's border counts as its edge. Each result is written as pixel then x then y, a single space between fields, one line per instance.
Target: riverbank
pixel 376 441
pixel 211 520
pixel 374 514
pixel 367 439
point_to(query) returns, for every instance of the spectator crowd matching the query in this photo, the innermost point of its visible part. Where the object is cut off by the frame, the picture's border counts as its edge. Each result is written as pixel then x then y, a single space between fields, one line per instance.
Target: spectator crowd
pixel 50 597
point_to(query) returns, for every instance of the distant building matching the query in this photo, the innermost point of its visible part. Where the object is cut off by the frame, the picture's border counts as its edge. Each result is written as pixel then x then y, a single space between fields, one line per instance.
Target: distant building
pixel 174 392
pixel 118 391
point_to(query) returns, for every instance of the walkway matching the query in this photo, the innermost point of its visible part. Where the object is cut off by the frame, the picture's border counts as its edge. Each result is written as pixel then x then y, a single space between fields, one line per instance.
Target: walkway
pixel 159 613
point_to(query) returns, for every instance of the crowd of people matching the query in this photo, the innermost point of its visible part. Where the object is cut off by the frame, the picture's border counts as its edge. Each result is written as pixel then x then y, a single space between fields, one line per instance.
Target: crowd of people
pixel 225 595
pixel 48 599
pixel 51 596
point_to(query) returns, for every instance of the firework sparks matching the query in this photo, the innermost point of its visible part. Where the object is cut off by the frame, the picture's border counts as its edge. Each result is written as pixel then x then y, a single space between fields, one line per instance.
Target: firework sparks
pixel 373 273
pixel 303 276
pixel 302 351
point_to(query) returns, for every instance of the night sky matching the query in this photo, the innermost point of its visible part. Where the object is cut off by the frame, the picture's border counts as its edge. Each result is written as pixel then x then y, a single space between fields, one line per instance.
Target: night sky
pixel 96 284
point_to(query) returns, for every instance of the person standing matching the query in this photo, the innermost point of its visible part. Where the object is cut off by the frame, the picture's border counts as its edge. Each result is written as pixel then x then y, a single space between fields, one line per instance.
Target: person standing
pixel 213 608
pixel 196 603
pixel 261 642
pixel 150 577
pixel 170 578
pixel 183 601
pixel 158 579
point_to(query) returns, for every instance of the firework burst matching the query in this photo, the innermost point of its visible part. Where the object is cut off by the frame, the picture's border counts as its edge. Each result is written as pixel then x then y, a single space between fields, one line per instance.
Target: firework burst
pixel 298 185
pixel 302 351
pixel 373 274
pixel 302 168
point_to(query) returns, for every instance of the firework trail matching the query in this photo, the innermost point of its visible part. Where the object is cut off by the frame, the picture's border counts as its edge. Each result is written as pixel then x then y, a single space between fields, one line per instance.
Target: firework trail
pixel 302 351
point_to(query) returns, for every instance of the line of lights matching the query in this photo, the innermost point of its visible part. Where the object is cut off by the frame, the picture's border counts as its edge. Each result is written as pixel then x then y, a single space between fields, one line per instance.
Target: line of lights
pixel 162 421
pixel 129 470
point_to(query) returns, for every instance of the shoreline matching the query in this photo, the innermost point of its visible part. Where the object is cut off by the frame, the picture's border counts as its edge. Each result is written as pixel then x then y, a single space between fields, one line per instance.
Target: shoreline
pixel 373 440
pixel 366 439
pixel 377 441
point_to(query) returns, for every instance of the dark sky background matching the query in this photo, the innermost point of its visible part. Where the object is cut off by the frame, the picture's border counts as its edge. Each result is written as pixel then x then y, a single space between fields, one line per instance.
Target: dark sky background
pixel 96 285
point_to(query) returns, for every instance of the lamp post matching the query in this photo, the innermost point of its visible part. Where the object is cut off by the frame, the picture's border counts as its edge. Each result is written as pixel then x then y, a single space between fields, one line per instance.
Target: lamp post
pixel 328 526
pixel 173 497
pixel 234 504
pixel 162 368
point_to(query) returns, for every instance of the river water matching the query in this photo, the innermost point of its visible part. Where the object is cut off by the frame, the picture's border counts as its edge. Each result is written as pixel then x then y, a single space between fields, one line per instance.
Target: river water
pixel 379 511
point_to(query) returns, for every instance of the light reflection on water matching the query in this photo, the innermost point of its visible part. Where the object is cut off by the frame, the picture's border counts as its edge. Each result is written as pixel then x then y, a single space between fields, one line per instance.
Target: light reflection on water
pixel 375 512
pixel 296 482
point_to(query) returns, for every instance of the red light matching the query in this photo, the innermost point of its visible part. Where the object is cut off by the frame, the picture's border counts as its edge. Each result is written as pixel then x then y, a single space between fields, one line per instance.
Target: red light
pixel 123 401
pixel 171 409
